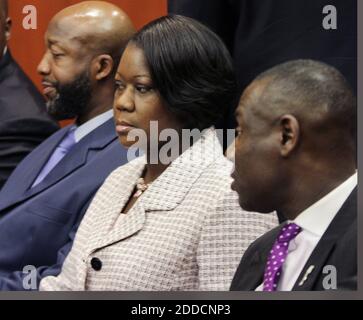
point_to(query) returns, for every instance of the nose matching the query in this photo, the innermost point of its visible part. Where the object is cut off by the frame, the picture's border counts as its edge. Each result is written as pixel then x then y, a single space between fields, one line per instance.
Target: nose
pixel 231 151
pixel 124 101
pixel 43 67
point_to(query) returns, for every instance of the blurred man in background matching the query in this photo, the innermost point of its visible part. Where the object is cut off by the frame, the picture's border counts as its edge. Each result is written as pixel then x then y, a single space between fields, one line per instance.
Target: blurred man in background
pixel 24 123
pixel 261 34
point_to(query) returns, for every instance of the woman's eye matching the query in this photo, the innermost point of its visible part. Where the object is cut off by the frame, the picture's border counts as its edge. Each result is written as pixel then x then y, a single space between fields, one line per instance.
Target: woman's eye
pixel 143 89
pixel 119 85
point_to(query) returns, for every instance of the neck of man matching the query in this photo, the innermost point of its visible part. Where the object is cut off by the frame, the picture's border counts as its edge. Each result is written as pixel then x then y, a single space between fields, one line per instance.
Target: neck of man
pixel 308 188
pixel 101 101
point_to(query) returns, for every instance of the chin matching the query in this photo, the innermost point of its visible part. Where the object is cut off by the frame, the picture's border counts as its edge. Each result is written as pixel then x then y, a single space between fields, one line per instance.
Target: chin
pixel 247 205
pixel 123 141
pixel 127 143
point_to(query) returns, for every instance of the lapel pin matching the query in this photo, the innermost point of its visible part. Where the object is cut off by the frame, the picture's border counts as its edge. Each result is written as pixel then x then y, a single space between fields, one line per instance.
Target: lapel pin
pixel 307 273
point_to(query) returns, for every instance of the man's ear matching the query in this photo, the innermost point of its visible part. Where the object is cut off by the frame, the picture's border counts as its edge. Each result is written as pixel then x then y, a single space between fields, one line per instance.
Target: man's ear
pixel 102 66
pixel 8 24
pixel 289 134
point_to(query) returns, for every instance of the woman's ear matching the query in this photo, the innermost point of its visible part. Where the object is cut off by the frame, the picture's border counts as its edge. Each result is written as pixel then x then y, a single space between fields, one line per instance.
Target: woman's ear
pixel 289 134
pixel 102 66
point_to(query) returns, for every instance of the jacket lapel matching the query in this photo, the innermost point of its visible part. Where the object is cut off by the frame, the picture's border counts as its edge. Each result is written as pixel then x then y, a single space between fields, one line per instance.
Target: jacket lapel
pixel 112 226
pixel 172 186
pixel 29 170
pixel 76 158
pixel 252 276
pixel 164 194
pixel 252 273
pixel 7 64
pixel 312 270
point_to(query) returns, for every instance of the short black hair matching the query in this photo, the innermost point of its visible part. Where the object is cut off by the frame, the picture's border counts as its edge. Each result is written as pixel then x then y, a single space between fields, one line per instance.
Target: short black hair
pixel 190 67
pixel 315 88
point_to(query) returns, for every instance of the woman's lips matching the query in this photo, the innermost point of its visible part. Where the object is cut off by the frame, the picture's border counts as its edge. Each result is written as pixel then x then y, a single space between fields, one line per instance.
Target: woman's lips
pixel 124 128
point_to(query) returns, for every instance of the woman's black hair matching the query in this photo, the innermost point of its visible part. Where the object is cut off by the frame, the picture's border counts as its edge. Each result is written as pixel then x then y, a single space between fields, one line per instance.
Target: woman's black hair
pixel 190 67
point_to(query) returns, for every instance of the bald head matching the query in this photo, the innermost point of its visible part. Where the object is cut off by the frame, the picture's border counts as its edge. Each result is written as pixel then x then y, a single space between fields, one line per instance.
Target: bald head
pixel 100 27
pixel 296 137
pixel 84 45
pixel 316 93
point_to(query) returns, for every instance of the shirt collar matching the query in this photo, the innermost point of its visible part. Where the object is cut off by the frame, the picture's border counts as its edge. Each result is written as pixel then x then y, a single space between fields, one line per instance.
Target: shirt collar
pixel 91 125
pixel 317 218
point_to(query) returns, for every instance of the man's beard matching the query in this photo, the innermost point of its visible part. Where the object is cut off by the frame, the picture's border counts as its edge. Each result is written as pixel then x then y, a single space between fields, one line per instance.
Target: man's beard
pixel 72 98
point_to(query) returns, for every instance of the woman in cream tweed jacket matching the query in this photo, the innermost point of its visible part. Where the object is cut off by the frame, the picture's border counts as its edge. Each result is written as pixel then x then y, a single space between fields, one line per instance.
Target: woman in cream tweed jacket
pixel 186 231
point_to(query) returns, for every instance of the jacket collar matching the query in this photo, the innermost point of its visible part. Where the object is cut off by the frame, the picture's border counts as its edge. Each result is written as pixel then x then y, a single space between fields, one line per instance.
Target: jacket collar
pixel 342 221
pixel 76 158
pixel 173 184
pixel 182 173
pixel 7 65
pixel 253 276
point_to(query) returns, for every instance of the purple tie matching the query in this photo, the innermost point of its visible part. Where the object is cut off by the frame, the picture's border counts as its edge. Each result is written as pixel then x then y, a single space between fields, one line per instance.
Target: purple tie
pixel 66 144
pixel 278 256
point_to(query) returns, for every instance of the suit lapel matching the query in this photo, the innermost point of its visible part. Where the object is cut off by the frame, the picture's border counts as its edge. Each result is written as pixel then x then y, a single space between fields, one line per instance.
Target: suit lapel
pixel 252 274
pixel 27 172
pixel 7 65
pixel 43 156
pixel 312 270
pixel 76 158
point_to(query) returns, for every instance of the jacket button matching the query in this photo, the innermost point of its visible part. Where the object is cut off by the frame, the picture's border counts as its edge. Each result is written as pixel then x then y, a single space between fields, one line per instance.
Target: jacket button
pixel 96 264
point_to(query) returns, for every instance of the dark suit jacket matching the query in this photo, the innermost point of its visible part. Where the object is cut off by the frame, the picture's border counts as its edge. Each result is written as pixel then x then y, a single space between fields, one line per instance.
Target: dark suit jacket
pixel 24 123
pixel 337 247
pixel 37 225
pixel 261 34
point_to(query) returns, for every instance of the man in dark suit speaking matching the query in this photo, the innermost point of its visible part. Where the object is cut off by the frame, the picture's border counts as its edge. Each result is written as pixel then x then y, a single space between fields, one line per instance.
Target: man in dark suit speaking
pixel 296 153
pixel 24 123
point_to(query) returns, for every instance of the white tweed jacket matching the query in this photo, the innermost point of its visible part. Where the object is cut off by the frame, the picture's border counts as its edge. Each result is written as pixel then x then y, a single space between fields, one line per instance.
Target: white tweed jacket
pixel 186 232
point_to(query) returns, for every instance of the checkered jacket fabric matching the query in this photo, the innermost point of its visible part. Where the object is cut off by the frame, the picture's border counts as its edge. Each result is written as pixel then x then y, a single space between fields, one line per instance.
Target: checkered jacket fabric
pixel 186 232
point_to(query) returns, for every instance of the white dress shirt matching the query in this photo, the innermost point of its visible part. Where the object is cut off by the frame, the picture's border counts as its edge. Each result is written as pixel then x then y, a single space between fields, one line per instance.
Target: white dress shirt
pixel 314 221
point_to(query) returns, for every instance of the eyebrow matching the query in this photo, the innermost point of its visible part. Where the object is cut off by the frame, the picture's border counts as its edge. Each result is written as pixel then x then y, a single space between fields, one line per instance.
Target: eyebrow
pixel 135 77
pixel 52 43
